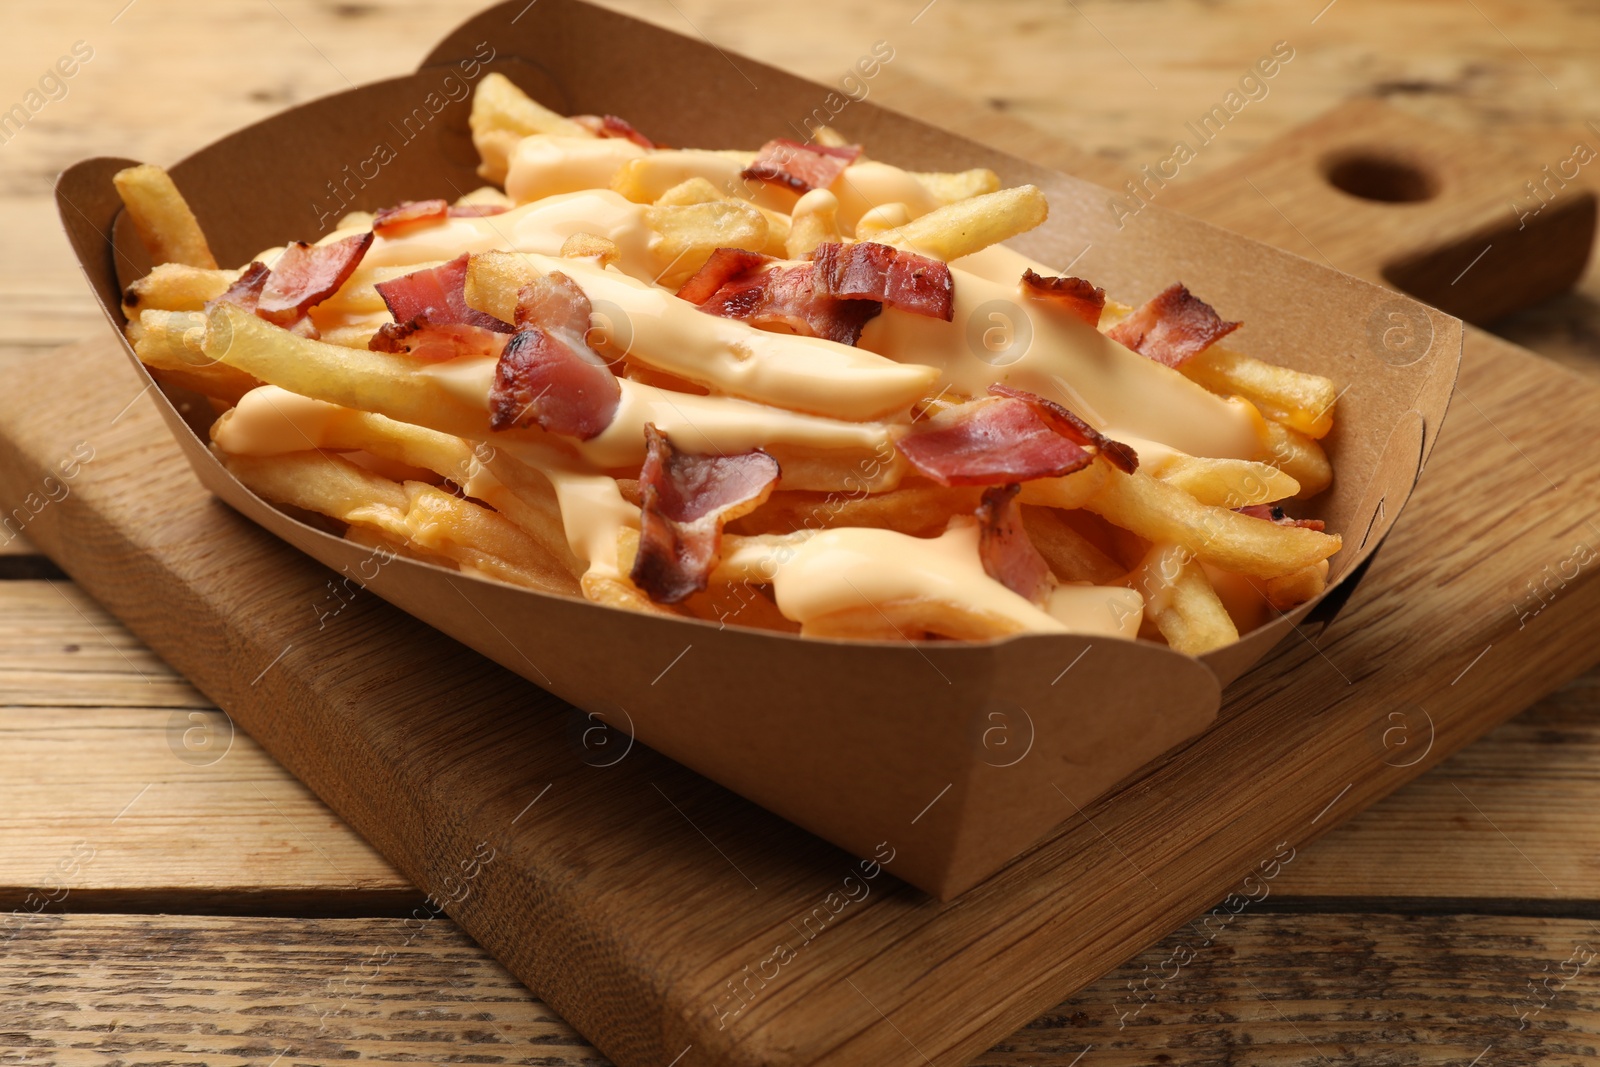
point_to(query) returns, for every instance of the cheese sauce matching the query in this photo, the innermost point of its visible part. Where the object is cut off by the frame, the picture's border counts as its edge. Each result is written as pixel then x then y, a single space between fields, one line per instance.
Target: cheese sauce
pixel 775 390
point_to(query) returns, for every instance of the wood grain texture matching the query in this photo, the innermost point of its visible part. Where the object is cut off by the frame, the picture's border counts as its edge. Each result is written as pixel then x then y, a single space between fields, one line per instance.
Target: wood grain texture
pixel 1267 989
pixel 229 829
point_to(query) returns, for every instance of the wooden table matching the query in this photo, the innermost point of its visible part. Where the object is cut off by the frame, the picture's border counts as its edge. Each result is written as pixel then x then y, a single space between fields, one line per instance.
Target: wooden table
pixel 191 902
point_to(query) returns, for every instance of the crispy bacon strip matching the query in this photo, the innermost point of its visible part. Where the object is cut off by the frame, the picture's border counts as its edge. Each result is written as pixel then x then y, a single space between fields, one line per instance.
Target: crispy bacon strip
pixel 1077 296
pixel 723 266
pixel 611 126
pixel 800 167
pixel 548 374
pixel 246 292
pixel 476 211
pixel 306 275
pixel 1009 557
pixel 411 215
pixel 991 442
pixel 1171 327
pixel 437 294
pixel 1273 513
pixel 437 342
pixel 685 500
pixel 871 271
pixel 1073 428
pixel 734 285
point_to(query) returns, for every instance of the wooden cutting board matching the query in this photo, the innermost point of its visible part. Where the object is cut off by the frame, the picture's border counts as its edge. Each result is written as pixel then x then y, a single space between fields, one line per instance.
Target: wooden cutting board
pixel 645 904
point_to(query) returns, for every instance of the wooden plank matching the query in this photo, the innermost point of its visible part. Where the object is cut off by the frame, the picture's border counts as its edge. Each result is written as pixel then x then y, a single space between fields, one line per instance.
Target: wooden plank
pixel 1262 988
pixel 181 811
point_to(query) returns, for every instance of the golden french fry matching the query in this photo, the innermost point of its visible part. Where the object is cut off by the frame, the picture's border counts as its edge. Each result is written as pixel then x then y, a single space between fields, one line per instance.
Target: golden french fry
pixel 646 179
pixel 969 226
pixel 172 345
pixel 526 497
pixel 176 287
pixel 1301 401
pixel 1227 483
pixel 590 246
pixel 1179 601
pixel 815 221
pixel 689 234
pixel 1294 589
pixel 1163 513
pixel 356 220
pixel 1069 491
pixel 1072 556
pixel 1298 456
pixel 166 226
pixel 947 187
pixel 382 382
pixel 696 190
pixel 479 538
pixel 502 115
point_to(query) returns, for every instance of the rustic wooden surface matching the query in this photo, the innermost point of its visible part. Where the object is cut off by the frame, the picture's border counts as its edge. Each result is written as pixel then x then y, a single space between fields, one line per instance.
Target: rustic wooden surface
pixel 1499 833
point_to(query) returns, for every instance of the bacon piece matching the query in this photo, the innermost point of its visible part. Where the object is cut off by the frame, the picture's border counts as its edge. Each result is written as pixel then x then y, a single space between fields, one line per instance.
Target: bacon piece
pixel 871 271
pixel 1009 556
pixel 723 266
pixel 548 374
pixel 1073 428
pixel 476 211
pixel 685 500
pixel 437 342
pixel 1273 513
pixel 439 295
pixel 1171 327
pixel 1077 296
pixel 991 442
pixel 800 167
pixel 411 215
pixel 731 285
pixel 611 126
pixel 246 292
pixel 306 275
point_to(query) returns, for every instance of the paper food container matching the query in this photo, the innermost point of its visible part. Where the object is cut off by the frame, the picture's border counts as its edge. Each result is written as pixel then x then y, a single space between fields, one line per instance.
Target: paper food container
pixel 955 756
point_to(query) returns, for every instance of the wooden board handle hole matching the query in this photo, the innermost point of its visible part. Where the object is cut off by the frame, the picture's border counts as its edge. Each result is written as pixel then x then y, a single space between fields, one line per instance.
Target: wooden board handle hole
pixel 1374 174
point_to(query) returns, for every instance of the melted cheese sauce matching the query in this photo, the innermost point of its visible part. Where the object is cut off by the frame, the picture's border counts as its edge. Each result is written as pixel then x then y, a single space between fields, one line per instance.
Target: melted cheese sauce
pixel 777 390
pixel 848 568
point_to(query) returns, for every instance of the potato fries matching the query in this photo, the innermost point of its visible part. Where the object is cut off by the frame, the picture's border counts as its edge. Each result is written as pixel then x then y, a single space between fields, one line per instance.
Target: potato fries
pixel 741 386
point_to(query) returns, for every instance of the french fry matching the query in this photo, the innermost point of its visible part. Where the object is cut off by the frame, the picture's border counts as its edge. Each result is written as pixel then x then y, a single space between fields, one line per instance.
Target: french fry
pixel 969 226
pixel 172 345
pixel 176 287
pixel 502 115
pixel 1301 401
pixel 646 179
pixel 815 221
pixel 1072 556
pixel 1295 589
pixel 1298 456
pixel 1069 491
pixel 166 226
pixel 476 537
pixel 381 382
pixel 1228 483
pixel 589 246
pixel 357 220
pixel 950 186
pixel 1180 603
pixel 1163 513
pixel 699 190
pixel 689 234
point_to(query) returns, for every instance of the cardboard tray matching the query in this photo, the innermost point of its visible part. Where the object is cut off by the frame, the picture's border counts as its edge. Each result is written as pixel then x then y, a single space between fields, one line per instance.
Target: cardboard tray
pixel 863 744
